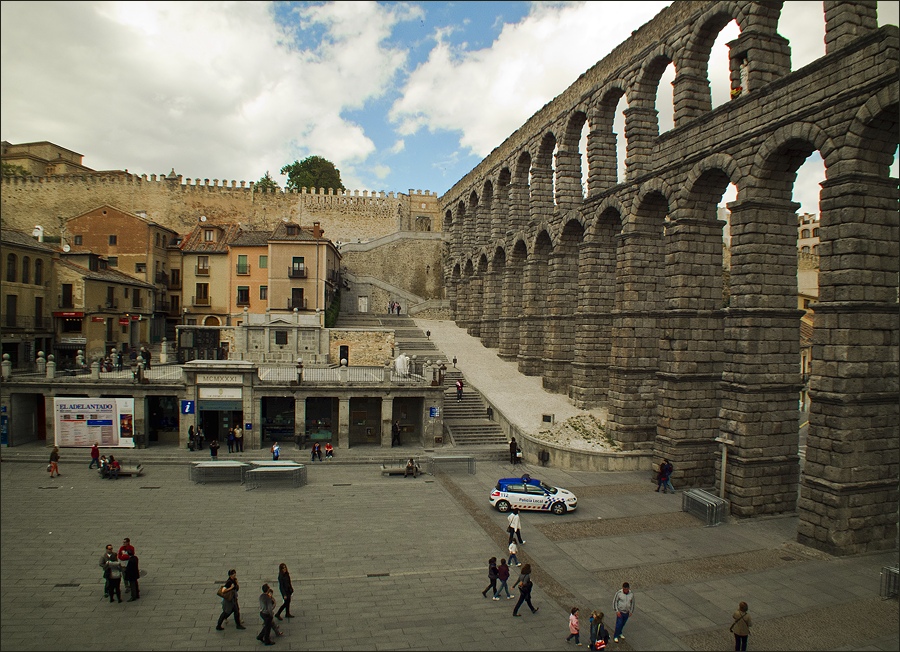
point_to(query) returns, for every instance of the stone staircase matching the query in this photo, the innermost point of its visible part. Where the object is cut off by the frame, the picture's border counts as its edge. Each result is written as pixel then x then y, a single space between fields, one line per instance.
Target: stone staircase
pixel 466 423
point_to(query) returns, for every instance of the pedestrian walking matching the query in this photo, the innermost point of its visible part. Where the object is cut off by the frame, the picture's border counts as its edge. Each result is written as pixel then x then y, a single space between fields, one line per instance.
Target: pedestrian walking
pixel 492 577
pixel 120 361
pixel 459 390
pixel 266 612
pixel 513 449
pixel 231 440
pixel 287 590
pixel 238 439
pixel 214 449
pixel 145 356
pixel 515 525
pixel 525 586
pixel 201 438
pixel 741 626
pixel 125 550
pixel 664 477
pixel 108 555
pixel 131 574
pixel 599 633
pixel 513 554
pixel 395 433
pixel 230 605
pixel 95 456
pixel 623 605
pixel 502 577
pixel 53 467
pixel 114 571
pixel 574 627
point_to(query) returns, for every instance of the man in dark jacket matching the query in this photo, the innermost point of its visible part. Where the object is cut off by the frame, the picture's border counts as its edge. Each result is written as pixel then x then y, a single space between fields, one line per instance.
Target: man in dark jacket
pixel 131 575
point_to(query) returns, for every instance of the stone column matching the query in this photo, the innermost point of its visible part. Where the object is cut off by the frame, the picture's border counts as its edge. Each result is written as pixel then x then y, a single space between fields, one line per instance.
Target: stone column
pixel 691 95
pixel 387 419
pixel 140 421
pixel 560 305
pixel 500 210
pixel 540 204
pixel 593 321
pixel 463 301
pixel 531 335
pixel 761 373
pixel 634 359
pixel 602 157
pixel 518 207
pixel 299 420
pixel 849 493
pixel 50 411
pixel 847 21
pixel 510 309
pixel 641 130
pixel 690 366
pixel 768 57
pixel 476 297
pixel 344 422
pixel 569 191
pixel 492 297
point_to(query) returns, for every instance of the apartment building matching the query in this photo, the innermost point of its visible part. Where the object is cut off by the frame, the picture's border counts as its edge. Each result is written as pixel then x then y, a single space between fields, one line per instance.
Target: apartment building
pixel 304 269
pixel 206 274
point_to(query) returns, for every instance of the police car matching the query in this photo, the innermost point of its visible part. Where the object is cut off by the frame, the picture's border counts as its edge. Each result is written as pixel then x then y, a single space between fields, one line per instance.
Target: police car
pixel 532 494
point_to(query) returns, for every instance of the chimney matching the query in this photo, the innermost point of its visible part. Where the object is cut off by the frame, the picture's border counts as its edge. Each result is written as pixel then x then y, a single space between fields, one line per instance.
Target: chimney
pixel 318 231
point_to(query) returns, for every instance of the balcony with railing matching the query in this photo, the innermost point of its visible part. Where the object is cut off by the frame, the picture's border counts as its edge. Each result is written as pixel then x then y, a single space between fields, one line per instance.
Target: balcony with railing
pixel 200 301
pixel 201 271
pixel 242 270
pixel 296 272
pixel 299 305
pixel 174 283
pixel 108 305
pixel 162 278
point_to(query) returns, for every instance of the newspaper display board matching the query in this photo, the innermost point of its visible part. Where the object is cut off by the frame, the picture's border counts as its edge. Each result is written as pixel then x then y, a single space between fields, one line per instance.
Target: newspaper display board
pixel 79 422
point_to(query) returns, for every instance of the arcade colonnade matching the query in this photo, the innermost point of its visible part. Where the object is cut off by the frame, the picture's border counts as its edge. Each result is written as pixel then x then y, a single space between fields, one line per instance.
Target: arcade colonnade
pixel 617 294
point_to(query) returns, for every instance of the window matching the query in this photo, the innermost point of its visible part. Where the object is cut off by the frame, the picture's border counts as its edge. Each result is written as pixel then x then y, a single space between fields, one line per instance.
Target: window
pixel 126 293
pixel 209 235
pixel 113 239
pixel 65 300
pixel 815 232
pixel 136 298
pixel 263 262
pixel 263 292
pixel 110 296
pixel 175 303
pixel 243 267
pixel 71 325
pixel 243 295
pixel 804 249
pixel 11 263
pixel 140 268
pixel 165 241
pixel 158 237
pixel 203 265
pixel 113 261
pixel 804 233
pixel 78 240
pixel 39 272
pixel 281 337
pixel 26 269
pixel 12 302
pixel 201 294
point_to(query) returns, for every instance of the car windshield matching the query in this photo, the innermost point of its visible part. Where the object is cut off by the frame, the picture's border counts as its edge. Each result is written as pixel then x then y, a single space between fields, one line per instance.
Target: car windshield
pixel 550 490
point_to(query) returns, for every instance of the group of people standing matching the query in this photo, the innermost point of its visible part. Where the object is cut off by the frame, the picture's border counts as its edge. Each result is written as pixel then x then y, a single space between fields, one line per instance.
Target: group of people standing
pixel 118 566
pixel 394 308
pixel 230 605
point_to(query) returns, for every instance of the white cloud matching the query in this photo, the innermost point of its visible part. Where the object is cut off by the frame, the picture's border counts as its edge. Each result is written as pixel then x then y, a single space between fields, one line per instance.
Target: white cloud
pixel 398 146
pixel 528 64
pixel 213 89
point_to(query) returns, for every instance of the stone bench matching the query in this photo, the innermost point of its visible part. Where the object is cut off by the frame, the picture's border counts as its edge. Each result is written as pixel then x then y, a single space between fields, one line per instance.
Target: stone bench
pixel 126 469
pixel 398 468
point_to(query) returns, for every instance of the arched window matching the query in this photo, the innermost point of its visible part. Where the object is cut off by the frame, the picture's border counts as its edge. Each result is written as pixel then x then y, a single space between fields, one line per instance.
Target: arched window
pixel 39 272
pixel 11 263
pixel 815 233
pixel 804 249
pixel 804 233
pixel 26 269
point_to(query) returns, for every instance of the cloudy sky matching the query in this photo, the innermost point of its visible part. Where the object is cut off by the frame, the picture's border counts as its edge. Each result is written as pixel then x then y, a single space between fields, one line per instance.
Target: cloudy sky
pixel 398 95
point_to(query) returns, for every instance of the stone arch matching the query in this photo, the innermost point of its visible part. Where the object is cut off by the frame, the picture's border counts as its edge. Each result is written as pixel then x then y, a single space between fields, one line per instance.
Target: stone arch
pixel 211 320
pixel 872 137
pixel 493 296
pixel 569 188
pixel 704 184
pixel 602 156
pixel 786 149
pixel 511 310
pixel 486 212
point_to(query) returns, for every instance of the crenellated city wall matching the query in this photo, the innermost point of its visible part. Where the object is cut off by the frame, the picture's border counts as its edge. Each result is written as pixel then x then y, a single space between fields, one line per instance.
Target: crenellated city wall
pixel 177 202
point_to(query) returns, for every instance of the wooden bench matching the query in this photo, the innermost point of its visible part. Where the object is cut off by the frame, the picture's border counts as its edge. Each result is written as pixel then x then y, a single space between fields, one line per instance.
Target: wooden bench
pixel 127 469
pixel 398 468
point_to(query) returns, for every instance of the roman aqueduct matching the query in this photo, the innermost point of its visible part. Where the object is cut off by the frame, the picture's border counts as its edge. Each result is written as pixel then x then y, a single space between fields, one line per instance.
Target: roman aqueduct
pixel 616 294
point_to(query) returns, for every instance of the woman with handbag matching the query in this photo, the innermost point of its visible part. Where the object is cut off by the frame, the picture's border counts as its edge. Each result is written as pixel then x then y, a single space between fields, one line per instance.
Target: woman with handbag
pixel 287 590
pixel 54 462
pixel 525 585
pixel 741 626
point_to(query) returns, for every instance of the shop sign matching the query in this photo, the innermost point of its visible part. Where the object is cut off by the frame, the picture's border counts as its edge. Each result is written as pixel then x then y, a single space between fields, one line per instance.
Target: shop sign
pixel 220 393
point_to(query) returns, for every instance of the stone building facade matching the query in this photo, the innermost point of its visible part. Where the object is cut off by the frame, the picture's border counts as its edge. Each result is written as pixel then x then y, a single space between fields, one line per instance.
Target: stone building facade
pixel 615 295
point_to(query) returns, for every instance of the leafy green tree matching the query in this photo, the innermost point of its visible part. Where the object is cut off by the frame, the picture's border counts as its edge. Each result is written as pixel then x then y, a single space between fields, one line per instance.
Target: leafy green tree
pixel 265 183
pixel 13 170
pixel 313 172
